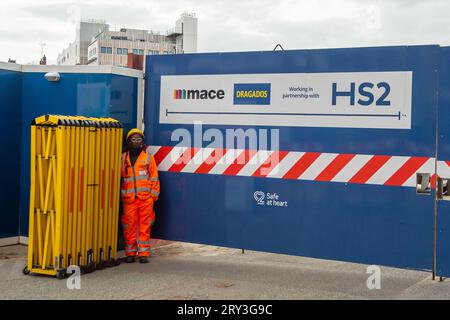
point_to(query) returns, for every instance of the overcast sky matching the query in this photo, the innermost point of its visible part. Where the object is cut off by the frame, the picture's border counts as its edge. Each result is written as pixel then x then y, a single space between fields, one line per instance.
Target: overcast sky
pixel 229 25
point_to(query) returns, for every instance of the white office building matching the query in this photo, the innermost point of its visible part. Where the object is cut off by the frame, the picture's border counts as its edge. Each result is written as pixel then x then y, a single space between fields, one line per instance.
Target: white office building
pixel 112 47
pixel 77 51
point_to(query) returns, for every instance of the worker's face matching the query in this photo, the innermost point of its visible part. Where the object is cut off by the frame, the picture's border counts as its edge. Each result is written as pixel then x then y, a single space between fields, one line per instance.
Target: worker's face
pixel 135 141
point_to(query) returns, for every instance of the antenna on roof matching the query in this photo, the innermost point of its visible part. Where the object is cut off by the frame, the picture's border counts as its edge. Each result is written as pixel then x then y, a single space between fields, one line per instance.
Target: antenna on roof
pixel 42 48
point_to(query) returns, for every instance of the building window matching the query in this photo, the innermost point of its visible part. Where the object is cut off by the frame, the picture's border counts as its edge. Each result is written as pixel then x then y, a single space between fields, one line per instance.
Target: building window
pixel 141 52
pixel 135 51
pixel 125 51
pixel 150 52
pixel 119 50
pixel 156 52
pixel 109 50
pixel 166 52
pixel 103 49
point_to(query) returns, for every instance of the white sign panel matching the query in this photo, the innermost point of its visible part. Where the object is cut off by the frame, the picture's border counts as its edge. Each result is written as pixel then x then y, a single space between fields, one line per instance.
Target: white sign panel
pixel 379 100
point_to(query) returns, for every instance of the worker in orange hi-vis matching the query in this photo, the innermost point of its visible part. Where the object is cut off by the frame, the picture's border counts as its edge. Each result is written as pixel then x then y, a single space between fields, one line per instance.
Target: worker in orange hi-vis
pixel 139 191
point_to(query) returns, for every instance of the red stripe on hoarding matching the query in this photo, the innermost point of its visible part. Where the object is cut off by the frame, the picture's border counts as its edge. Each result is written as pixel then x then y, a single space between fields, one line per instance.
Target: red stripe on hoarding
pixel 334 167
pixel 406 171
pixel 275 158
pixel 302 165
pixel 184 159
pixel 161 154
pixel 211 161
pixel 369 169
pixel 239 162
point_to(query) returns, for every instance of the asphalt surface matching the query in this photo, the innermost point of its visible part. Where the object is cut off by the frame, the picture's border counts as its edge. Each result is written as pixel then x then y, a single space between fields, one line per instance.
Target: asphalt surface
pixel 182 271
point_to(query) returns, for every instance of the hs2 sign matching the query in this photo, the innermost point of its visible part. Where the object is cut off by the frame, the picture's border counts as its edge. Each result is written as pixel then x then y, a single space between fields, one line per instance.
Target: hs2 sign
pixel 367 100
pixel 366 95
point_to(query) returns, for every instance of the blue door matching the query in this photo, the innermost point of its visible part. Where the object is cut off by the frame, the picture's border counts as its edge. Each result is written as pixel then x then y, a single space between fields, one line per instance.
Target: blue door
pixel 10 115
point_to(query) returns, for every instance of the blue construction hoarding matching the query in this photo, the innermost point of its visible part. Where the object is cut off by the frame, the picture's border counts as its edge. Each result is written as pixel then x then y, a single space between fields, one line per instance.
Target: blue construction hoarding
pixel 337 160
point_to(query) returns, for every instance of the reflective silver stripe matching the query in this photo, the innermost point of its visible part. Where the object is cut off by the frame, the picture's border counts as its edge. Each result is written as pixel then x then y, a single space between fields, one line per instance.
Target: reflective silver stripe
pixel 125 226
pixel 144 249
pixel 143 242
pixel 123 192
pixel 130 250
pixel 129 245
pixel 155 193
pixel 154 179
pixel 141 177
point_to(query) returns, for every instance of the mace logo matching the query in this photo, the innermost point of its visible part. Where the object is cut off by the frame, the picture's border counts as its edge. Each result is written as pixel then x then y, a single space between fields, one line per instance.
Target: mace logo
pixel 251 93
pixel 197 94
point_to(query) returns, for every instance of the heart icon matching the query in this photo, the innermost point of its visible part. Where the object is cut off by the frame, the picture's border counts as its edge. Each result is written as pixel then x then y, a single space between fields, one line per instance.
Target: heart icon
pixel 259 197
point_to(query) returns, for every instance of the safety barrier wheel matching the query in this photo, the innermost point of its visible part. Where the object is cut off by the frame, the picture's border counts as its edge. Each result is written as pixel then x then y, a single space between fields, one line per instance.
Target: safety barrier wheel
pixel 100 265
pixel 25 270
pixel 61 274
pixel 111 263
pixel 90 268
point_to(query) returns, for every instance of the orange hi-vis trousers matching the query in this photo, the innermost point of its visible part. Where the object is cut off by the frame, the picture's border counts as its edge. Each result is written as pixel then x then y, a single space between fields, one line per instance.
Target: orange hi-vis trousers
pixel 137 220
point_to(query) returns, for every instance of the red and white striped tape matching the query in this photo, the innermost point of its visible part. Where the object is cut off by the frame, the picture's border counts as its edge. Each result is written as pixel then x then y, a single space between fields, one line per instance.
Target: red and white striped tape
pixel 313 166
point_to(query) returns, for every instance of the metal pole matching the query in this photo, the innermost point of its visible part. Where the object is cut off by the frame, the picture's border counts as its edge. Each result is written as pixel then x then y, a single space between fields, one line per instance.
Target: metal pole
pixel 435 188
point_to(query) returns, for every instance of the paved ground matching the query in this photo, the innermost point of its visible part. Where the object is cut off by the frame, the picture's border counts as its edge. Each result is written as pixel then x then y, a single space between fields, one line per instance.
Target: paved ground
pixel 185 271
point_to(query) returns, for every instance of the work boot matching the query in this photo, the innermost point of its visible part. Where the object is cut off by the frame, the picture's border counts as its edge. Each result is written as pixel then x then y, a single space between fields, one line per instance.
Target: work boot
pixel 143 259
pixel 129 259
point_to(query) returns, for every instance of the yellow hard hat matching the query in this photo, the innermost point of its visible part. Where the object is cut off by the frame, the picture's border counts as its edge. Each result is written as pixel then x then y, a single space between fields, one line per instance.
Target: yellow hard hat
pixel 133 131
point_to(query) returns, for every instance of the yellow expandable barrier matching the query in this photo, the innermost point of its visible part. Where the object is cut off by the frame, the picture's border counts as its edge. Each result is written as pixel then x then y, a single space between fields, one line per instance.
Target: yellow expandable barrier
pixel 74 194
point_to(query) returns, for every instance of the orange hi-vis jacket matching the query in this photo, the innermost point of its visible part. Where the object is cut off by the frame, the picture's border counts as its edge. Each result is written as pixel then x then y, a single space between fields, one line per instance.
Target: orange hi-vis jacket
pixel 141 180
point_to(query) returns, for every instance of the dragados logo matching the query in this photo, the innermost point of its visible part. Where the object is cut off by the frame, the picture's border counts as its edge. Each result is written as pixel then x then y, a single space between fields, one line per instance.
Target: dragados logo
pixel 198 94
pixel 251 93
